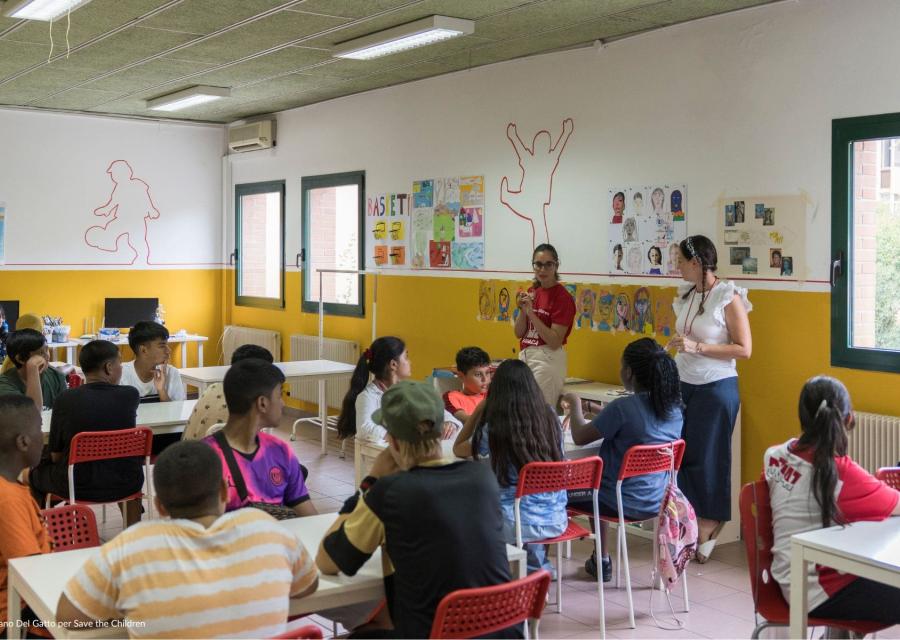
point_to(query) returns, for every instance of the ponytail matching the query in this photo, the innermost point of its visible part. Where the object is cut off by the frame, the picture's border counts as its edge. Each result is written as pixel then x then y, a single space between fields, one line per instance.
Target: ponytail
pixel 375 360
pixel 655 372
pixel 824 412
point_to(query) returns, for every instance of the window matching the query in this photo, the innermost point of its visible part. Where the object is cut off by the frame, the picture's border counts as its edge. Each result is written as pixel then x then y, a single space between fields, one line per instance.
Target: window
pixel 259 238
pixel 865 237
pixel 332 239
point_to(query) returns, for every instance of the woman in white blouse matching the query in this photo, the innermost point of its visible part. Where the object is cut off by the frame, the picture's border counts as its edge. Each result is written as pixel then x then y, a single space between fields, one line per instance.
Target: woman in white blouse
pixel 712 331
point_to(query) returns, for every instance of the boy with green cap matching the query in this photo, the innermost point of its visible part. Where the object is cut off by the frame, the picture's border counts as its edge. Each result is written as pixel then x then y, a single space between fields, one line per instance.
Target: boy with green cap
pixel 437 520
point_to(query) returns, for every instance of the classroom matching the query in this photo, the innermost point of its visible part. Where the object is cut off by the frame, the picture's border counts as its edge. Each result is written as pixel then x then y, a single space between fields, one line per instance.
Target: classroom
pixel 209 165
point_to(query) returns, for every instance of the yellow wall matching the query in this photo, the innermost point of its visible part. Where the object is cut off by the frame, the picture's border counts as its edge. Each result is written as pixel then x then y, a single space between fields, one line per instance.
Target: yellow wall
pixel 190 298
pixel 436 316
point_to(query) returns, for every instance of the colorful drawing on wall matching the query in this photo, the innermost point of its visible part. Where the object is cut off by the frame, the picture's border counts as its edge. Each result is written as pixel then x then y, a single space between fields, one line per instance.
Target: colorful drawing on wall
pixel 645 224
pixel 471 191
pixel 422 225
pixel 664 315
pixel 129 209
pixel 604 317
pixel 586 304
pixel 642 315
pixel 387 221
pixel 470 223
pixel 537 164
pixel 467 255
pixel 572 289
pixel 423 194
pixel 622 312
pixel 516 311
pixel 2 233
pixel 444 225
pixel 439 255
pixel 503 305
pixel 486 304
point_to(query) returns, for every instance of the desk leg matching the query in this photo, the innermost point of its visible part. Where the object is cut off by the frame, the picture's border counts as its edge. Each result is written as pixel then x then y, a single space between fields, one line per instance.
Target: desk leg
pixel 199 354
pixel 14 611
pixel 323 416
pixel 184 355
pixel 799 588
pixel 70 355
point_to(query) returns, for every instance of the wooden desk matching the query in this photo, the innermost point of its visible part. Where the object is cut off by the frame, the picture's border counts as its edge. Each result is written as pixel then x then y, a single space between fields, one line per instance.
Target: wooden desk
pixel 161 417
pixel 865 549
pixel 39 580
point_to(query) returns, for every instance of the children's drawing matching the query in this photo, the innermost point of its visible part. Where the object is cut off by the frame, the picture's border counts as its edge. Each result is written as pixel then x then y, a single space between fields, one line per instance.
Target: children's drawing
pixel 618 207
pixel 677 211
pixel 467 255
pixel 674 252
pixel 572 289
pixel 629 230
pixel 642 317
pixel 634 259
pixel 380 254
pixel 605 313
pixel 439 255
pixel 516 310
pixel 444 225
pixel 538 165
pixel 586 303
pixel 665 316
pixel 471 222
pixel 503 303
pixel 446 194
pixel 654 261
pixel 421 234
pixel 622 313
pixel 129 209
pixel 397 254
pixel 397 230
pixel 471 191
pixel 486 307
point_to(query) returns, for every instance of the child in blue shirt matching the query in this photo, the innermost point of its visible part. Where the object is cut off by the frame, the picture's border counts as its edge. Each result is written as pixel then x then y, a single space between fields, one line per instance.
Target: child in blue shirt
pixel 512 427
pixel 653 414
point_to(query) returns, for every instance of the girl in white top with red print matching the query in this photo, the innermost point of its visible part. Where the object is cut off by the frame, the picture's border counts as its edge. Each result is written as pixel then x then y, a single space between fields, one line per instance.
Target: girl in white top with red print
pixel 813 483
pixel 546 315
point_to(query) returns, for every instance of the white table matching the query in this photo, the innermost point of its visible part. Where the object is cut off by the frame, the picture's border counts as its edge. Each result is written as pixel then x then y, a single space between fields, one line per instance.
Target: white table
pixel 596 391
pixel 39 580
pixel 865 549
pixel 71 345
pixel 320 370
pixel 161 417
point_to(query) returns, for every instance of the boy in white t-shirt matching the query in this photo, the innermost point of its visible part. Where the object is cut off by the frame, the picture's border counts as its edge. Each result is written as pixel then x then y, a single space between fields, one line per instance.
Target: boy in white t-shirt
pixel 150 372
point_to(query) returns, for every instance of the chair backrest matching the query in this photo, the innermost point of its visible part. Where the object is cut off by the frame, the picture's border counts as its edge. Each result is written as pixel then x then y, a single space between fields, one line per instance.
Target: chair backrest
pixel 89 446
pixel 756 529
pixel 642 459
pixel 890 476
pixel 543 477
pixel 474 613
pixel 72 526
pixel 308 632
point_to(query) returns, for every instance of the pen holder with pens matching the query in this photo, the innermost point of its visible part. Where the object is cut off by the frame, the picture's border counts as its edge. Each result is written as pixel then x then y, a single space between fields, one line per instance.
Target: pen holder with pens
pixel 60 333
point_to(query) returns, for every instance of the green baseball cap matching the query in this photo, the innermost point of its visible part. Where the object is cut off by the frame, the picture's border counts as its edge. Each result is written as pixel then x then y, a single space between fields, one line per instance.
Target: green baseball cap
pixel 405 406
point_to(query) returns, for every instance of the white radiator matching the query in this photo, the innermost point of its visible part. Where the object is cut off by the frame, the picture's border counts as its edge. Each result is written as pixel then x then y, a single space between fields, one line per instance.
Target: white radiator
pixel 235 336
pixel 875 442
pixel 307 348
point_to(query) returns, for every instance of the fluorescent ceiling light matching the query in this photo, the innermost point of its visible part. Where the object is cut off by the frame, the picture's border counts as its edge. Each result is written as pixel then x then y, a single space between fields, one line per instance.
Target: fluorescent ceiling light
pixel 406 36
pixel 189 97
pixel 40 9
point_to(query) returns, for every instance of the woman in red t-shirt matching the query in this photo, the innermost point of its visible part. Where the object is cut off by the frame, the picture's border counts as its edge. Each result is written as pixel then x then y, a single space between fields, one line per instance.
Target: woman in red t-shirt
pixel 547 312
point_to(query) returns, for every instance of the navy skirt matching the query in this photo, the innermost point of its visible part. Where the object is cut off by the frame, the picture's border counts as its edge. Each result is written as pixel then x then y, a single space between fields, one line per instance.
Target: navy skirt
pixel 709 416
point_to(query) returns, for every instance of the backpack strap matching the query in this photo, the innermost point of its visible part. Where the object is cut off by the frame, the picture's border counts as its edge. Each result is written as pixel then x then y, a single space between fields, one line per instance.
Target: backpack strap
pixel 233 467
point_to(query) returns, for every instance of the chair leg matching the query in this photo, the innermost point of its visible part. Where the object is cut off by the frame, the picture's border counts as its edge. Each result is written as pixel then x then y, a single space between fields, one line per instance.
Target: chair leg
pixel 618 554
pixel 624 562
pixel 558 578
pixel 568 553
pixel 344 449
pixel 684 590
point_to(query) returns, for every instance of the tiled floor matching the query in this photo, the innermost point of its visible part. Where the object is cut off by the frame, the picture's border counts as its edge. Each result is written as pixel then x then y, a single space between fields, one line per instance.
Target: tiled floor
pixel 721 604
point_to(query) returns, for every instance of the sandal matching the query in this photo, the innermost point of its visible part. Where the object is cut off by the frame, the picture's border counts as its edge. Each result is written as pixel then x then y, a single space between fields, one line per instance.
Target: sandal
pixel 705 549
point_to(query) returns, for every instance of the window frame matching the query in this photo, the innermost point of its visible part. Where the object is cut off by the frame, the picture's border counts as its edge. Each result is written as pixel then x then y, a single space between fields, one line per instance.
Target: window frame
pixel 844 132
pixel 247 189
pixel 308 183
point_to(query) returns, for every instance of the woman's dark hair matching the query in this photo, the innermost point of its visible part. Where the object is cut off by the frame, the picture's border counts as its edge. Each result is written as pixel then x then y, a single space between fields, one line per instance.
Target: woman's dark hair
pixel 549 248
pixel 522 427
pixel 704 250
pixel 825 417
pixel 655 372
pixel 22 343
pixel 375 360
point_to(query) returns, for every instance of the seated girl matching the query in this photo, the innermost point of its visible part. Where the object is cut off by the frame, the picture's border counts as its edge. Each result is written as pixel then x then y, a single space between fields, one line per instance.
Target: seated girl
pixel 388 362
pixel 650 416
pixel 514 426
pixel 813 483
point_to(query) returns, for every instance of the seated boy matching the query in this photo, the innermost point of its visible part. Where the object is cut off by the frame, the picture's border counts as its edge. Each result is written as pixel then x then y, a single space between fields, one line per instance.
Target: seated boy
pixel 438 521
pixel 266 466
pixel 23 532
pixel 198 573
pixel 473 365
pixel 211 408
pixel 102 404
pixel 32 374
pixel 150 372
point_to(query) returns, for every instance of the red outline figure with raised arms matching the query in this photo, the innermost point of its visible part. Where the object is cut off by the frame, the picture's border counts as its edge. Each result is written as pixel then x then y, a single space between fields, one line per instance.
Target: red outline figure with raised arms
pixel 540 163
pixel 131 206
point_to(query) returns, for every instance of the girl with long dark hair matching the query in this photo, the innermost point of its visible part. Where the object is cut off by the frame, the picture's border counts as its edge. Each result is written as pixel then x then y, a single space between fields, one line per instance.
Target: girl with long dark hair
pixel 547 312
pixel 651 415
pixel 512 427
pixel 712 331
pixel 813 483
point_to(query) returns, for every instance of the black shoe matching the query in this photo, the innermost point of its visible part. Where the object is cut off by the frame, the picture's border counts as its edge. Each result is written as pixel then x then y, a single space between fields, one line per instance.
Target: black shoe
pixel 590 566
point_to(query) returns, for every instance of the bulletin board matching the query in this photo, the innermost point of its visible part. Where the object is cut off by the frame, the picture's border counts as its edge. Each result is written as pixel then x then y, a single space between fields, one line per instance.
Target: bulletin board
pixel 448 223
pixel 762 237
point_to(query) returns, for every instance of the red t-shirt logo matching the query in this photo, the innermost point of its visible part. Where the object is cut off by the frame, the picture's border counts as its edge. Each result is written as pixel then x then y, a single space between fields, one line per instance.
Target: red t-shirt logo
pixel 276 476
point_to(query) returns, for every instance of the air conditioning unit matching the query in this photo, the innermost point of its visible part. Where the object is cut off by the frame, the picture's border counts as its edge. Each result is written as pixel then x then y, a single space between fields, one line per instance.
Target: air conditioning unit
pixel 253 136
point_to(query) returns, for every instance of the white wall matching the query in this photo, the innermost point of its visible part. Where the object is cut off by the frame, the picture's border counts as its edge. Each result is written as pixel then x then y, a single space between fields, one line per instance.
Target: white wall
pixel 54 175
pixel 739 104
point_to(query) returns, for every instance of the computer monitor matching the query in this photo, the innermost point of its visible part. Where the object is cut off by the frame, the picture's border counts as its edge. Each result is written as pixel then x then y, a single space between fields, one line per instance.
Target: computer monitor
pixel 122 313
pixel 10 311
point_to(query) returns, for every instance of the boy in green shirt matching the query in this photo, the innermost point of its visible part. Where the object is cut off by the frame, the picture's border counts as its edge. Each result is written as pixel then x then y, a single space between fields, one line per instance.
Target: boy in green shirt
pixel 32 376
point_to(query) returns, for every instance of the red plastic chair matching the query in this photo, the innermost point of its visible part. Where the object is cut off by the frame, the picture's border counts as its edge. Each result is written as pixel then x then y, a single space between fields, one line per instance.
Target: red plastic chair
pixel 307 632
pixel 768 601
pixel 94 446
pixel 545 477
pixel 890 476
pixel 474 613
pixel 71 526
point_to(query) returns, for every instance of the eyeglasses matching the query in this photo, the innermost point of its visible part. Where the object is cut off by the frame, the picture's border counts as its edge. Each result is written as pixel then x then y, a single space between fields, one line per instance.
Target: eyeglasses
pixel 543 265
